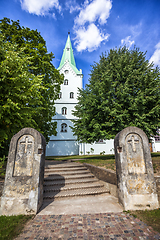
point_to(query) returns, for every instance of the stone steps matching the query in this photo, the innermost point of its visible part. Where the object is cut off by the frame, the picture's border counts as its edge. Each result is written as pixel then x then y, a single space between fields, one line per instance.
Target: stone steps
pixel 63 173
pixel 63 180
pixel 67 182
pixel 47 170
pixel 72 187
pixel 54 177
pixel 63 165
pixel 75 192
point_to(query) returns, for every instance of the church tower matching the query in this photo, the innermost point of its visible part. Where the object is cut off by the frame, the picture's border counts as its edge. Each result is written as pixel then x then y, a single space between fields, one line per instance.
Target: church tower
pixel 65 143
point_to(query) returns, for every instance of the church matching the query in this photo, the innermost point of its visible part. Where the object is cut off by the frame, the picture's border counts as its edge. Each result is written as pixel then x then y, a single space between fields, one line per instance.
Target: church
pixel 65 143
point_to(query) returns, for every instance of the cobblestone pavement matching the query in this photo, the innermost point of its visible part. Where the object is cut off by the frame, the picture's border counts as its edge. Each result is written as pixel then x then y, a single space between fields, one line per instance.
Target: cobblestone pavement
pixel 115 226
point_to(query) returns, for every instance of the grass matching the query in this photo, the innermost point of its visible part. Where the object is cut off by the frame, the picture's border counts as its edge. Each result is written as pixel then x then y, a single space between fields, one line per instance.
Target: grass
pixel 11 226
pixel 156 162
pixel 150 217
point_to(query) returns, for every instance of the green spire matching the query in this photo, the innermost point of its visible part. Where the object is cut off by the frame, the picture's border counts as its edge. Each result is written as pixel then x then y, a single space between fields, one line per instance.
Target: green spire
pixel 68 55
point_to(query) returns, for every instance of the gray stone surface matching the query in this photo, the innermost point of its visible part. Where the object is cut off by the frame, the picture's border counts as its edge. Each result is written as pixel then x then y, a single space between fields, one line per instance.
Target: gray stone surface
pixel 135 178
pixel 23 187
pixel 106 175
pixel 81 205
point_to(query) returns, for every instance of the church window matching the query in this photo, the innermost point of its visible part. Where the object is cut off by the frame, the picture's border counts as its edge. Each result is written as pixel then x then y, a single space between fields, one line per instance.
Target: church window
pixel 71 94
pixel 68 49
pixel 60 95
pixel 63 127
pixel 66 82
pixel 66 71
pixel 64 111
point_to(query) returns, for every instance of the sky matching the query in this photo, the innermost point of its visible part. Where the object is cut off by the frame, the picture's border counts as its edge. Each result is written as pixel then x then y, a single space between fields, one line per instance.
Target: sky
pixel 95 26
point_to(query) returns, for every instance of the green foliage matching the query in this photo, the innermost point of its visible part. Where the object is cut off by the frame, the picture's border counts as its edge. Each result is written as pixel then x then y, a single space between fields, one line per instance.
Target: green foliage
pixel 92 150
pixel 3 163
pixel 11 226
pixel 123 90
pixel 102 153
pixel 19 91
pixel 29 83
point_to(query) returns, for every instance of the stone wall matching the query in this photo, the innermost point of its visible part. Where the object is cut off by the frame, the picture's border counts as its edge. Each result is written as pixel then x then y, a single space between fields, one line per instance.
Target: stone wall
pixel 106 175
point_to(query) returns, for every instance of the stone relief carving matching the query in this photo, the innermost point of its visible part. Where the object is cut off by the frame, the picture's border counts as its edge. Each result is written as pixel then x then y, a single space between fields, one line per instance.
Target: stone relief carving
pixel 135 155
pixel 23 165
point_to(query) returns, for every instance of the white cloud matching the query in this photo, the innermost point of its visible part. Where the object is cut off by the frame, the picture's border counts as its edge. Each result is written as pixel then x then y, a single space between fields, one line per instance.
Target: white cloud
pixel 89 32
pixel 156 55
pixel 40 7
pixel 89 38
pixel 72 6
pixel 136 30
pixel 126 41
pixel 97 9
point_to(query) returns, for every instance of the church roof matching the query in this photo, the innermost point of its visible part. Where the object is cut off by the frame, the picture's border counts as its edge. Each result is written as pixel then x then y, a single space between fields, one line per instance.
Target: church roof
pixel 68 56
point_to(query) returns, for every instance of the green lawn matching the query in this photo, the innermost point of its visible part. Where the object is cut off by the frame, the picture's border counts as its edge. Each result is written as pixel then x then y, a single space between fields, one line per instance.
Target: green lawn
pixel 151 218
pixel 11 226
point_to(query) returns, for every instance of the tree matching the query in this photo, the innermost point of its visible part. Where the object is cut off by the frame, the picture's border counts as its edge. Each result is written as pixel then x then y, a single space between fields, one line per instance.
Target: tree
pixel 123 90
pixel 40 65
pixel 19 91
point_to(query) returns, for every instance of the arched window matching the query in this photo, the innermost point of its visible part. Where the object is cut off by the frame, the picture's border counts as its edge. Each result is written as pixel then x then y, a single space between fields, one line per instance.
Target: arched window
pixel 66 71
pixel 63 127
pixel 66 82
pixel 60 95
pixel 64 111
pixel 71 94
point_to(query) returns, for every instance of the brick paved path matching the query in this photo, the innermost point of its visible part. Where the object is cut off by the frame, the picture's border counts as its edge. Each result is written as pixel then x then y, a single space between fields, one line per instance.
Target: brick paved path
pixel 117 226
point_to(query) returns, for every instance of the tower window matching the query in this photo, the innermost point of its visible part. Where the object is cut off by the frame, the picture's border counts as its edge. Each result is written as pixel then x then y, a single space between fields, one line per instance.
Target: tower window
pixel 64 111
pixel 63 127
pixel 60 95
pixel 71 94
pixel 67 49
pixel 66 82
pixel 66 71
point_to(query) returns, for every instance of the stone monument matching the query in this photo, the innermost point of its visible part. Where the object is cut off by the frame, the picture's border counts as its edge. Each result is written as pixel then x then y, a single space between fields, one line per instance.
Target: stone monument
pixel 23 187
pixel 135 178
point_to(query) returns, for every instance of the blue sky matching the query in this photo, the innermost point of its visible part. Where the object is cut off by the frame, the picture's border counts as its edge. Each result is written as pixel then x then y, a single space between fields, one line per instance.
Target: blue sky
pixel 95 26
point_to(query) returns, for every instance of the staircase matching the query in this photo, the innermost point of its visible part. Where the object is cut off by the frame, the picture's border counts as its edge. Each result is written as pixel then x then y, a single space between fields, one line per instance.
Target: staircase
pixel 70 179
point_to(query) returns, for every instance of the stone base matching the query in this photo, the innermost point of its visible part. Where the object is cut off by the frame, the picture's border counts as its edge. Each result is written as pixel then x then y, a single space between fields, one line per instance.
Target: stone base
pixel 17 206
pixel 140 202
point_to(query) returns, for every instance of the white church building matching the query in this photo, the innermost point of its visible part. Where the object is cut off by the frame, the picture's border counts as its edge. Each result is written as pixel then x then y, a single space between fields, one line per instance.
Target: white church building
pixel 65 144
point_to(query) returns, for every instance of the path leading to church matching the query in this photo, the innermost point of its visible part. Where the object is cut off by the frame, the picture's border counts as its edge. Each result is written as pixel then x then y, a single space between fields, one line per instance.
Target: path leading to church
pixel 117 226
pixel 81 216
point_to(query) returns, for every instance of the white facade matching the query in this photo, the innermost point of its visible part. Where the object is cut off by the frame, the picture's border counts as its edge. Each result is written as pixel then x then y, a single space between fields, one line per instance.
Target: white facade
pixel 156 143
pixel 65 143
pixel 105 147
